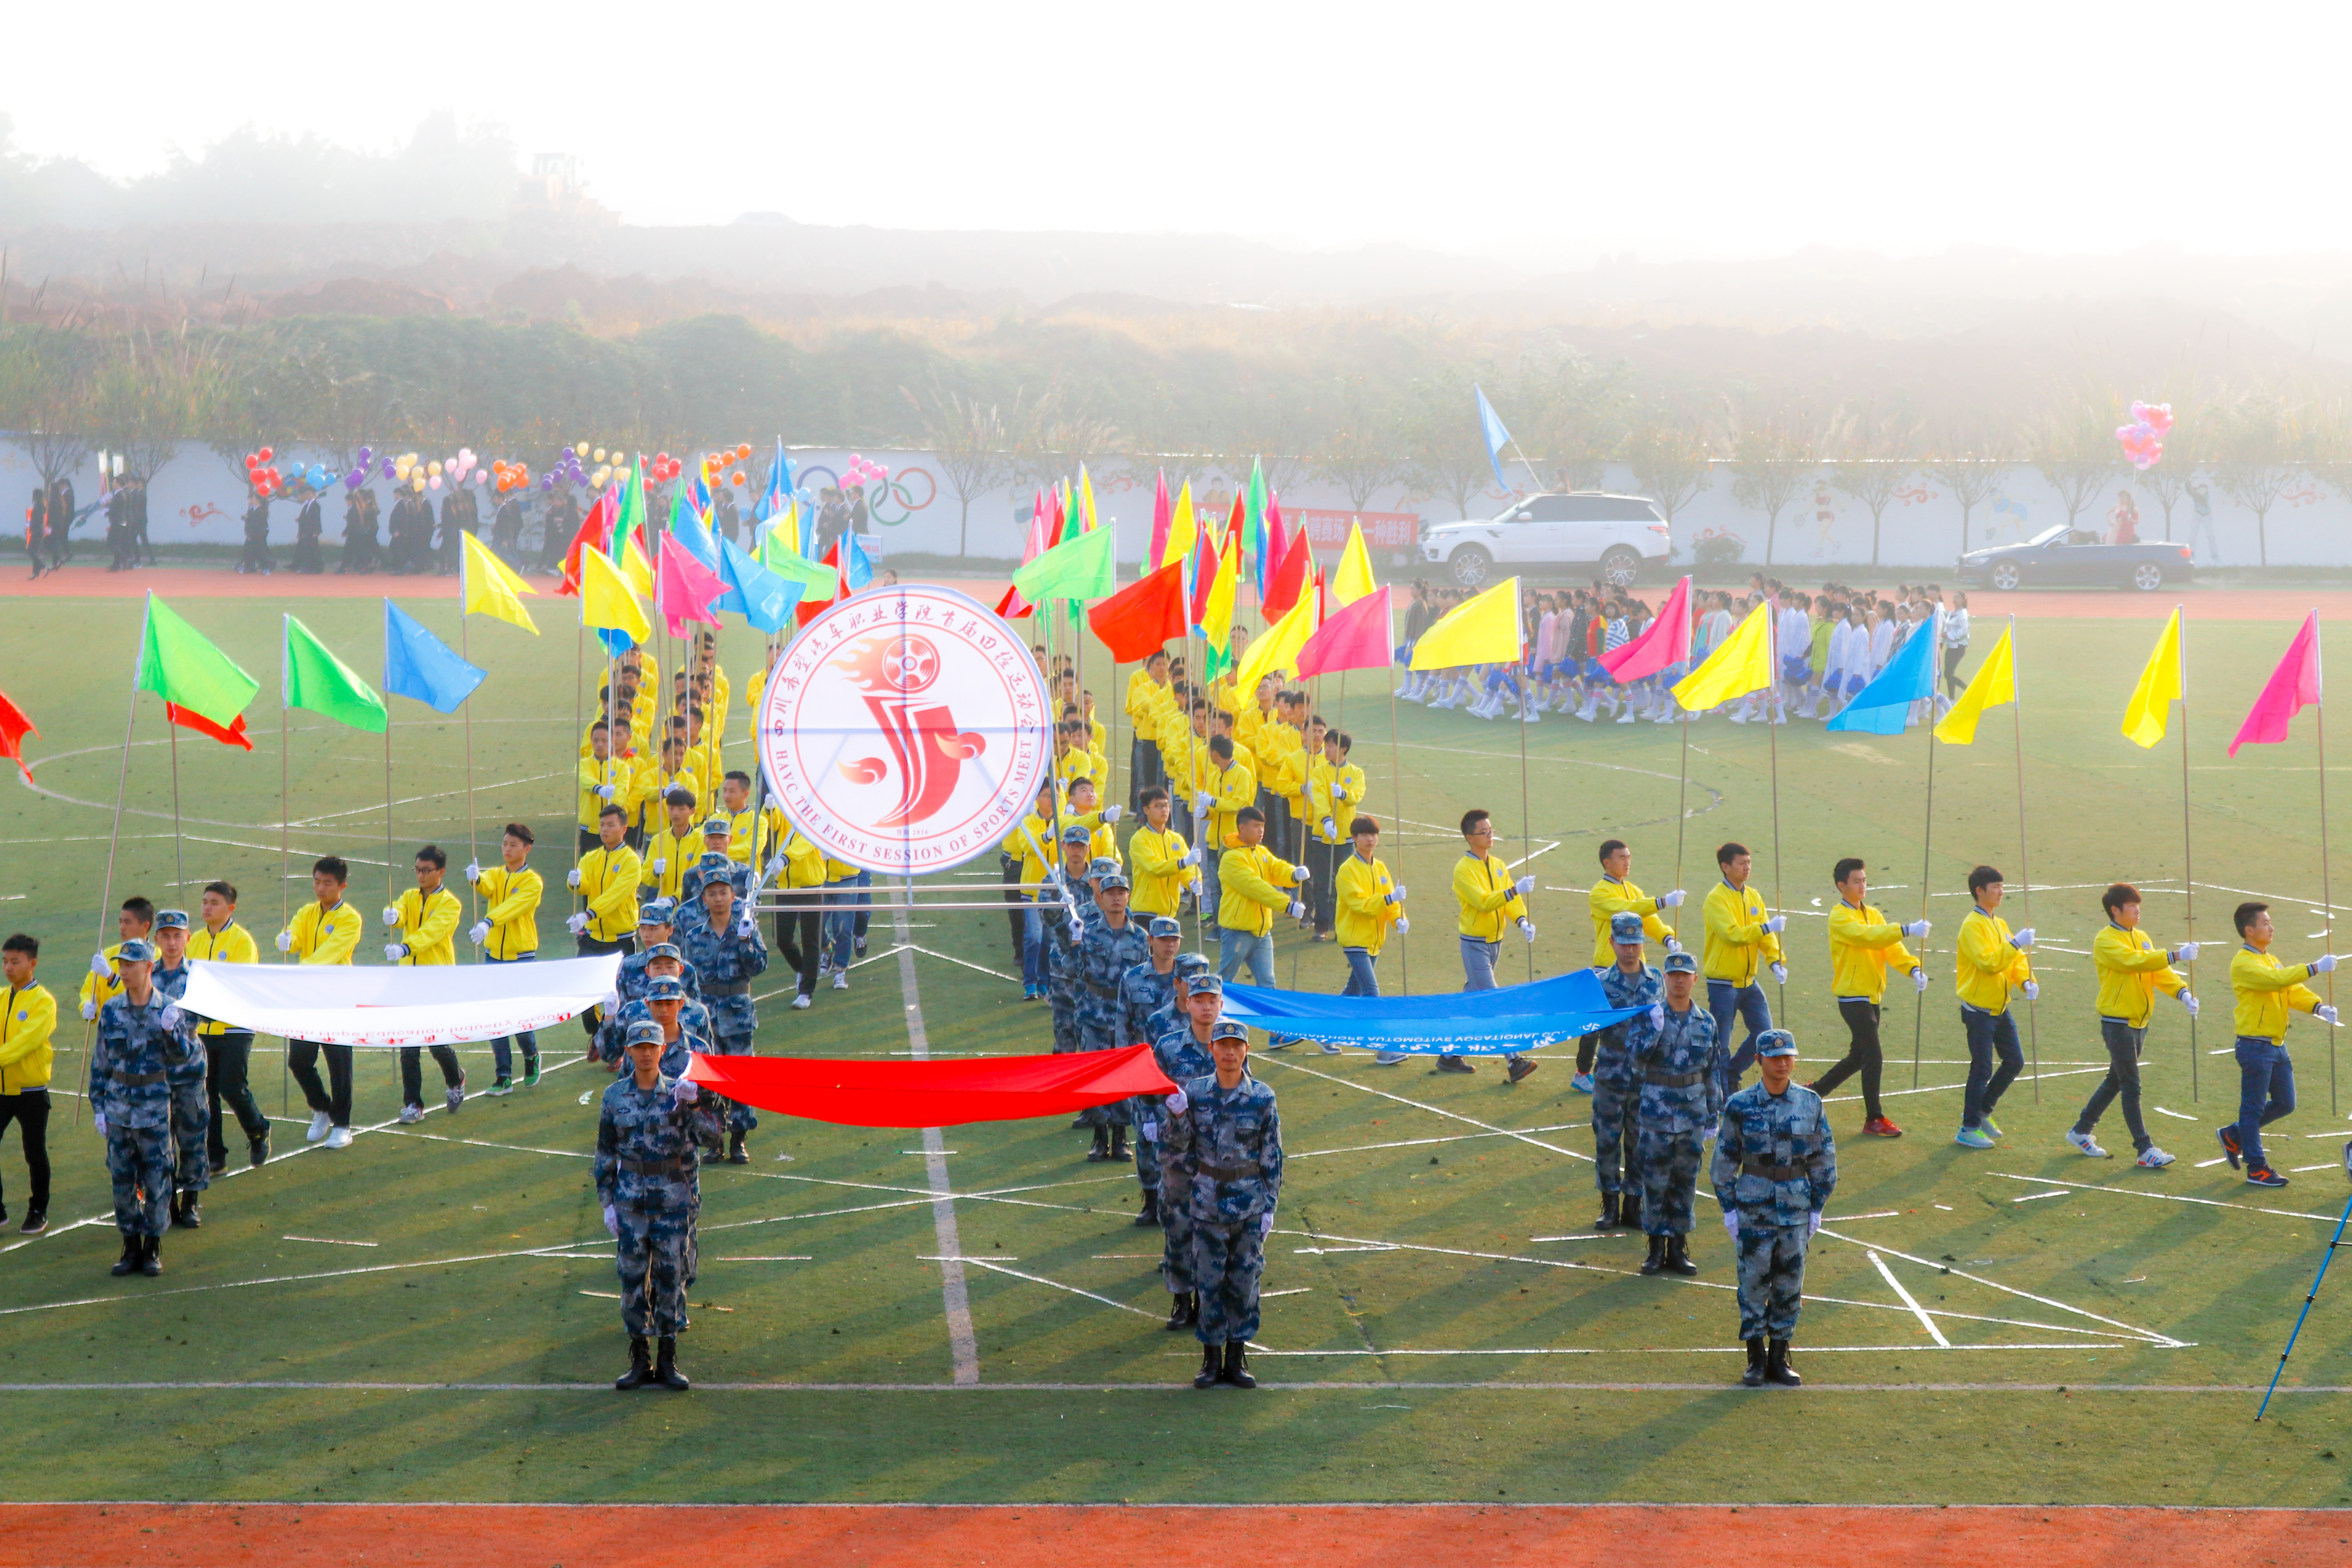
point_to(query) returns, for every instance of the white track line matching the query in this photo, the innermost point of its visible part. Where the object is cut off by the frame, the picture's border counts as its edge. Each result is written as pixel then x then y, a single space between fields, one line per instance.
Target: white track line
pixel 603 1389
pixel 2169 1197
pixel 1896 1286
pixel 954 1293
pixel 2150 1335
pixel 1433 1109
pixel 1040 1279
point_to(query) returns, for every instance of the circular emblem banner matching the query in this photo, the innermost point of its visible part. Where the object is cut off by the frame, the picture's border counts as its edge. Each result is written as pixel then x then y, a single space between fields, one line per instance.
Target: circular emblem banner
pixel 905 730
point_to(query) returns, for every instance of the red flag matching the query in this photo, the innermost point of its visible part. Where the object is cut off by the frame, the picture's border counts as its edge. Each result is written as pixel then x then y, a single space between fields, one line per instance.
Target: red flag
pixel 1161 516
pixel 594 529
pixel 1057 520
pixel 1013 606
pixel 808 612
pixel 14 727
pixel 1143 617
pixel 1202 569
pixel 948 1093
pixel 2292 686
pixel 1288 580
pixel 1665 643
pixel 189 719
pixel 1240 520
pixel 1355 639
pixel 1277 543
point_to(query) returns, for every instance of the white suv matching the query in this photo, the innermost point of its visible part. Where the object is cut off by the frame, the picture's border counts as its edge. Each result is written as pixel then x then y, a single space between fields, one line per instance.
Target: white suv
pixel 1586 528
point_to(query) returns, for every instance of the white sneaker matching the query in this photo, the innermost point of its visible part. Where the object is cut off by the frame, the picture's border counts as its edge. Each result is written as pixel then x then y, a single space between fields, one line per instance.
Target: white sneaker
pixel 321 1124
pixel 1530 715
pixel 1328 1048
pixel 1591 705
pixel 340 1138
pixel 455 1094
pixel 841 980
pixel 1628 716
pixel 2154 1159
pixel 2087 1144
pixel 410 1114
pixel 802 1002
pixel 1390 1058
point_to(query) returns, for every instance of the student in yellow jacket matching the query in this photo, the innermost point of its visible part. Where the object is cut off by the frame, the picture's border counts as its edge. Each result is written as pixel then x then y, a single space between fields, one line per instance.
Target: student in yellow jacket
pixel 327 929
pixel 28 1020
pixel 1082 808
pixel 1226 790
pixel 675 771
pixel 1254 885
pixel 797 870
pixel 753 834
pixel 604 780
pixel 2132 970
pixel 1369 905
pixel 1615 894
pixel 136 922
pixel 423 925
pixel 508 932
pixel 2268 992
pixel 1489 899
pixel 1334 799
pixel 1988 962
pixel 1147 703
pixel 1164 865
pixel 675 847
pixel 608 878
pixel 1864 945
pixel 217 938
pixel 1741 938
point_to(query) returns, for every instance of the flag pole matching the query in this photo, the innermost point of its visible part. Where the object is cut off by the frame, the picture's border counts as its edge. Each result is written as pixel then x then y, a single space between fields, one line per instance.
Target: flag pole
pixel 2319 717
pixel 2187 870
pixel 113 839
pixel 1682 815
pixel 1772 739
pixel 179 844
pixel 391 888
pixel 2024 874
pixel 473 849
pixel 1527 821
pixel 285 789
pixel 1926 864
pixel 1396 771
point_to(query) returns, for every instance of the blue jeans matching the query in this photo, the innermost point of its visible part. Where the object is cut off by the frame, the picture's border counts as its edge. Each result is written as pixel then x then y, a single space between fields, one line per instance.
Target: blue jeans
pixel 1033 946
pixel 1989 1032
pixel 843 919
pixel 2266 1093
pixel 1362 980
pixel 1479 963
pixel 530 1042
pixel 1236 947
pixel 1746 1004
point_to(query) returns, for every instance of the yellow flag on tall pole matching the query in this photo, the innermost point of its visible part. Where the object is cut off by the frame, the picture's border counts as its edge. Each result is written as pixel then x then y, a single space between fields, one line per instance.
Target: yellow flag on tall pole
pixel 1353 579
pixel 1742 665
pixel 1217 616
pixel 491 587
pixel 1181 527
pixel 2160 687
pixel 606 603
pixel 1995 682
pixel 640 571
pixel 1278 652
pixel 1484 630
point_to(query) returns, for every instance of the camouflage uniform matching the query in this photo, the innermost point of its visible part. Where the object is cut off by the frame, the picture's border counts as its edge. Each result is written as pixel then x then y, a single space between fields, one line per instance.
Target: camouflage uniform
pixel 130 1085
pixel 1678 1063
pixel 192 1111
pixel 1616 1100
pixel 689 886
pixel 1182 1058
pixel 632 980
pixel 1225 1152
pixel 1776 1164
pixel 693 1024
pixel 647 1171
pixel 1064 937
pixel 726 962
pixel 1144 993
pixel 1104 957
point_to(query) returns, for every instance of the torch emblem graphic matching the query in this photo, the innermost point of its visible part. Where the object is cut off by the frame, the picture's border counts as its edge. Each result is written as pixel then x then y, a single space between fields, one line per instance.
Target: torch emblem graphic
pixel 892 672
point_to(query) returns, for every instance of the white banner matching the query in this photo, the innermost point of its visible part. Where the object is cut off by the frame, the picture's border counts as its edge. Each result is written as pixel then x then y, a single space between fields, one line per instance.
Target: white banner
pixel 435 1005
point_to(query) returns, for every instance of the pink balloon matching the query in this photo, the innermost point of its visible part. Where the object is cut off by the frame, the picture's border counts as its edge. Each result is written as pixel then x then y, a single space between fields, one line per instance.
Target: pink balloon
pixel 433 483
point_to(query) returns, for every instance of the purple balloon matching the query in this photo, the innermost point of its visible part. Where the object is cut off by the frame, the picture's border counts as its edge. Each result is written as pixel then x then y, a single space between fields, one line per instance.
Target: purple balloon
pixel 351 480
pixel 366 453
pixel 547 482
pixel 390 467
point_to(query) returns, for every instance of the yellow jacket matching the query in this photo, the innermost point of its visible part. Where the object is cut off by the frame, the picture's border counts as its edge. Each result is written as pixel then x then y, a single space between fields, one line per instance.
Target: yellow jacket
pixel 753 833
pixel 1737 942
pixel 1160 875
pixel 101 991
pixel 654 783
pixel 1863 945
pixel 1146 699
pixel 1488 896
pixel 326 936
pixel 2267 991
pixel 1361 914
pixel 1233 788
pixel 1038 836
pixel 1184 756
pixel 1283 756
pixel 676 852
pixel 1249 721
pixel 1985 964
pixel 608 880
pixel 231 944
pixel 510 903
pixel 804 861
pixel 429 926
pixel 1336 792
pixel 1610 897
pixel 621 775
pixel 2132 969
pixel 1076 765
pixel 25 1026
pixel 1255 887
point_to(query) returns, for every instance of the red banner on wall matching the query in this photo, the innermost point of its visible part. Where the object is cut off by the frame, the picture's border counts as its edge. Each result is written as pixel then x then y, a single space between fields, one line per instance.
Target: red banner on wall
pixel 1327 531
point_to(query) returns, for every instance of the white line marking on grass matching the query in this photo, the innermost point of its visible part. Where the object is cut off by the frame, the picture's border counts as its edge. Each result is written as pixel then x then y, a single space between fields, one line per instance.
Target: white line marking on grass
pixel 2030 1196
pixel 1349 1388
pixel 954 1294
pixel 2150 1335
pixel 2203 1164
pixel 1850 1218
pixel 767 1257
pixel 1293 1290
pixel 1594 1235
pixel 2176 1115
pixel 1040 1279
pixel 1420 1143
pixel 1896 1286
pixel 546 1252
pixel 2304 1170
pixel 2170 1197
pixel 982 968
pixel 1708 1350
pixel 331 1241
pixel 1433 1109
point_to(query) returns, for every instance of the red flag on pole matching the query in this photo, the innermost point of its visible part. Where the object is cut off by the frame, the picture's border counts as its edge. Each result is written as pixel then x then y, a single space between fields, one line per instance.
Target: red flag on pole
pixel 1143 617
pixel 14 727
pixel 1162 514
pixel 2292 687
pixel 808 612
pixel 1355 639
pixel 594 528
pixel 189 719
pixel 1665 643
pixel 1288 581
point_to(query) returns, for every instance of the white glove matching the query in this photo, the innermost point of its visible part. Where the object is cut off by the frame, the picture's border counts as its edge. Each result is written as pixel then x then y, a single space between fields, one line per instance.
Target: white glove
pixel 1111 813
pixel 1812 1224
pixel 394 952
pixel 1527 929
pixel 684 1091
pixel 1919 981
pixel 2185 952
pixel 1297 910
pixel 390 917
pixel 285 942
pixel 1777 924
pixel 478 932
pixel 1396 894
pixel 1149 1129
pixel 604 792
pixel 2032 990
pixel 100 967
pixel 1298 873
pixel 1330 828
pixel 2022 940
pixel 97 1120
pixel 1189 858
pixel 611 1002
pixel 1779 974
pixel 1674 944
pixel 1265 1225
pixel 472 870
pixel 612 1219
pixel 1524 886
pixel 572 878
pixel 1707 1140
pixel 172 1016
pixel 744 928
pixel 2326 1014
pixel 1402 925
pixel 576 924
pixel 1732 1223
pixel 1657 1016
pixel 2189 1000
pixel 88 1011
pixel 661 864
pixel 1202 801
pixel 1916 928
pixel 2324 962
pixel 1177 1102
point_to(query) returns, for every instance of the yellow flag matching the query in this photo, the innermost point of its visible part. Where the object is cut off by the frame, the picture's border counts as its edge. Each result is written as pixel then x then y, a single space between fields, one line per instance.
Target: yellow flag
pixel 640 569
pixel 1181 527
pixel 1085 500
pixel 1742 665
pixel 1995 682
pixel 1217 616
pixel 1276 653
pixel 492 589
pixel 785 528
pixel 2159 684
pixel 1484 630
pixel 606 603
pixel 1353 579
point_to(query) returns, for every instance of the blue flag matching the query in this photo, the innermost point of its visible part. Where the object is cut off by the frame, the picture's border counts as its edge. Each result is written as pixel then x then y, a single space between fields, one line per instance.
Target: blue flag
pixel 687 527
pixel 753 592
pixel 856 564
pixel 779 495
pixel 420 666
pixel 1491 432
pixel 1883 706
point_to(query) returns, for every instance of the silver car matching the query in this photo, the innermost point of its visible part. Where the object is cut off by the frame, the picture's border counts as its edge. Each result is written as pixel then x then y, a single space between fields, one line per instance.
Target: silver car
pixel 1615 534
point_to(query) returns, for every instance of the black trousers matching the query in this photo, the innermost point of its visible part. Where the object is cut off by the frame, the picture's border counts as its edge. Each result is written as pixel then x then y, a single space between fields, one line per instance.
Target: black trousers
pixel 30 1112
pixel 1143 771
pixel 800 938
pixel 411 1071
pixel 227 1062
pixel 302 1061
pixel 1861 1054
pixel 1323 862
pixel 2123 1042
pixel 1017 905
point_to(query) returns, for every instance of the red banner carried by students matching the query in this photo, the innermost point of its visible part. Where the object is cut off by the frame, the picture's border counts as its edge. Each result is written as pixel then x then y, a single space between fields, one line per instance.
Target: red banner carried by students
pixel 932 1094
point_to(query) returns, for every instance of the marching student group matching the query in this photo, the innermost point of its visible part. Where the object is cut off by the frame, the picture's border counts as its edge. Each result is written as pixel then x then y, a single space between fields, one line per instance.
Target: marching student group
pixel 1244 808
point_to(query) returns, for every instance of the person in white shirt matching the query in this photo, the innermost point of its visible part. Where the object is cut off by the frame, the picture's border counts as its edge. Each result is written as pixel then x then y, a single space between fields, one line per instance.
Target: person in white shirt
pixel 1956 645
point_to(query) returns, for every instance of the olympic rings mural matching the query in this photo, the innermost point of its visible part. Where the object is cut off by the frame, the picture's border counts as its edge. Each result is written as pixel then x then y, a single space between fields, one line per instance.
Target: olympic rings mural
pixel 900 491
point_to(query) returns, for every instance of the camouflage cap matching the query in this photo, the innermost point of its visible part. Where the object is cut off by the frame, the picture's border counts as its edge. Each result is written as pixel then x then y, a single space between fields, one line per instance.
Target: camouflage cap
pixel 1776 1043
pixel 665 988
pixel 657 912
pixel 135 951
pixel 1625 926
pixel 1106 881
pixel 712 860
pixel 1188 964
pixel 665 950
pixel 716 826
pixel 1210 985
pixel 171 919
pixel 1229 1029
pixel 1074 834
pixel 1681 963
pixel 1165 925
pixel 1101 866
pixel 643 1031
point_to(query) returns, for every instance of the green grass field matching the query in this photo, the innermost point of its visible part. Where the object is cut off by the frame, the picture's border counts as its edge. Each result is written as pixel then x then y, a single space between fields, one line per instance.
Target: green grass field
pixel 1439 1324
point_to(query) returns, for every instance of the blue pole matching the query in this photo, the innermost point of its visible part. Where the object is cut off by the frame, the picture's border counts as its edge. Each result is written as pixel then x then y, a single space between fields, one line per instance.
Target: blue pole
pixel 2334 1242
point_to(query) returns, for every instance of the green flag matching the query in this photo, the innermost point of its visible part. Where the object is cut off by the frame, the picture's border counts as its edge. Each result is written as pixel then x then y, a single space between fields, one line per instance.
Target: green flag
pixel 1080 567
pixel 177 664
pixel 815 575
pixel 633 513
pixel 317 680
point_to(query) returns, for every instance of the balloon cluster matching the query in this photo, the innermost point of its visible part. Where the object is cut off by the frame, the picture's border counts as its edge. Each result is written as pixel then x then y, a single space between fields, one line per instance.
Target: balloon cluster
pixel 2143 438
pixel 714 465
pixel 663 468
pixel 567 468
pixel 265 479
pixel 358 476
pixel 509 475
pixel 861 473
pixel 609 467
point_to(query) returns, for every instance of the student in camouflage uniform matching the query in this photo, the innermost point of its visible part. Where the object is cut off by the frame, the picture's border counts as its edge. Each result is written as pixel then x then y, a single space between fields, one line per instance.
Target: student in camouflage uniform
pixel 663 962
pixel 1678 1062
pixel 1225 1137
pixel 1181 1048
pixel 722 941
pixel 1145 990
pixel 1616 1100
pixel 1112 945
pixel 192 1112
pixel 716 861
pixel 1775 1167
pixel 1061 903
pixel 649 1179
pixel 142 1036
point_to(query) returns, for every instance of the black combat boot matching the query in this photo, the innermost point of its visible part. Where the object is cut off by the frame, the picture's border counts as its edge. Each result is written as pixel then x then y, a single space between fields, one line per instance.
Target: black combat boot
pixel 1777 1368
pixel 1211 1366
pixel 1101 1150
pixel 151 1255
pixel 1149 1213
pixel 1119 1150
pixel 129 1262
pixel 1607 1219
pixel 1629 1208
pixel 1678 1256
pixel 735 1155
pixel 665 1371
pixel 191 1214
pixel 1236 1368
pixel 1657 1258
pixel 1754 1376
pixel 641 1369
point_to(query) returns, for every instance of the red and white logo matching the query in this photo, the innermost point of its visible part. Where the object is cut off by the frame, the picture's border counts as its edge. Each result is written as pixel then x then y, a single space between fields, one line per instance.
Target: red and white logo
pixel 905 730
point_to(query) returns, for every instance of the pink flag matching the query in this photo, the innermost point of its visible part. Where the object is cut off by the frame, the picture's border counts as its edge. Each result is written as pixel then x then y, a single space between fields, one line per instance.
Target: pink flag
pixel 1664 646
pixel 1013 606
pixel 2291 686
pixel 1162 513
pixel 684 588
pixel 1355 639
